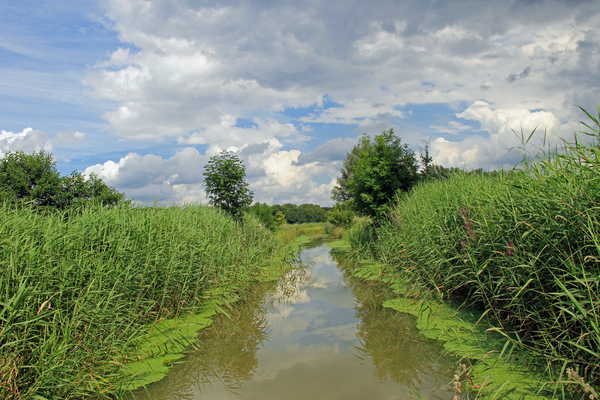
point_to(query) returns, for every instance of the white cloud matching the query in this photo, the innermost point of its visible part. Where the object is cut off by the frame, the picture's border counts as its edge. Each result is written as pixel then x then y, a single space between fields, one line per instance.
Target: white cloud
pixel 188 72
pixel 30 140
pixel 74 137
pixel 505 127
pixel 451 127
pixel 270 172
pixel 146 178
pixel 27 141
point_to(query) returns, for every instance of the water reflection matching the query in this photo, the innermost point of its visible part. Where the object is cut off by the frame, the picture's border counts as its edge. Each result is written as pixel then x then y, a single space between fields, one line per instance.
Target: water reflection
pixel 390 340
pixel 226 352
pixel 315 333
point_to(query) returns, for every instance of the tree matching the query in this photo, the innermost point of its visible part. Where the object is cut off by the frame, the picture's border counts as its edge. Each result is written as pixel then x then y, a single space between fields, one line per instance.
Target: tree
pixel 33 178
pixel 340 192
pixel 426 158
pixel 383 167
pixel 225 186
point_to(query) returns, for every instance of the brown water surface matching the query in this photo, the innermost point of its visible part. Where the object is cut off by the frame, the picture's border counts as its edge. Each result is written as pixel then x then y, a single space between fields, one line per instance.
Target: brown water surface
pixel 314 334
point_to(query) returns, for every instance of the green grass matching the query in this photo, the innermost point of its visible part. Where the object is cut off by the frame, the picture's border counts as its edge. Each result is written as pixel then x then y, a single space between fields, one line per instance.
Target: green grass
pixel 80 292
pixel 522 246
pixel 289 232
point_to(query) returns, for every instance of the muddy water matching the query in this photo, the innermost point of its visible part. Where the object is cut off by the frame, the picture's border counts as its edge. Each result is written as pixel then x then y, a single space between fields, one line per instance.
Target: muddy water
pixel 315 334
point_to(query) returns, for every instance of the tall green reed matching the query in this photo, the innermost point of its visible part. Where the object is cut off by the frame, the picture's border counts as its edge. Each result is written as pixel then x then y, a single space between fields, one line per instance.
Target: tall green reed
pixel 77 290
pixel 523 245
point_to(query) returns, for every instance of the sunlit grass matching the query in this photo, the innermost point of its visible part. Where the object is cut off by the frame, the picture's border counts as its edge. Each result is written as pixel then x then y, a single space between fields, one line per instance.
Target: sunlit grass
pixel 289 232
pixel 524 246
pixel 78 290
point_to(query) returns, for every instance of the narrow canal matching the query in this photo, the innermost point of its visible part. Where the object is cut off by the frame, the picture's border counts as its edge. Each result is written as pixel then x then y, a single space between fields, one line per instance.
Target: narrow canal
pixel 315 334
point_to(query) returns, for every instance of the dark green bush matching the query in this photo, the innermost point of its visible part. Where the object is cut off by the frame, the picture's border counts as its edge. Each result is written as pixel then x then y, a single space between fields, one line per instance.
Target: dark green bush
pixel 340 216
pixel 33 178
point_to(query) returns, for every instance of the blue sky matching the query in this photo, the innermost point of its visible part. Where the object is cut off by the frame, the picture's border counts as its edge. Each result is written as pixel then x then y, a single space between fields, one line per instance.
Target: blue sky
pixel 144 92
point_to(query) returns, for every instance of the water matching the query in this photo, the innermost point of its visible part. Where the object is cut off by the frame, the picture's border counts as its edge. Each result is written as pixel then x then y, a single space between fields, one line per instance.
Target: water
pixel 315 334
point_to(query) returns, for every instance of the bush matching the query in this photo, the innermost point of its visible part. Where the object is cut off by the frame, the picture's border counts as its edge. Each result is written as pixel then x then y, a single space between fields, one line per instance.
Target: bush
pixel 264 213
pixel 33 178
pixel 340 216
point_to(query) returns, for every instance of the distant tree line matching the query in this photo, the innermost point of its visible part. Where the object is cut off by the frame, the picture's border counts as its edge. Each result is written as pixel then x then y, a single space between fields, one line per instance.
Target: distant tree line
pixel 304 213
pixel 277 215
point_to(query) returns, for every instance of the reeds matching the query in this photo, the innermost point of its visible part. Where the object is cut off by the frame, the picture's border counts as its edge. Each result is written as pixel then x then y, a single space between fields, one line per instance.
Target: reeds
pixel 77 290
pixel 523 245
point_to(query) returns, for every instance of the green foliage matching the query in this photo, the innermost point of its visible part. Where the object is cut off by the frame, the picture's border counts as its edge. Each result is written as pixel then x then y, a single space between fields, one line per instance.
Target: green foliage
pixel 340 193
pixel 303 214
pixel 341 216
pixel 523 246
pixel 329 228
pixel 264 213
pixel 310 213
pixel 225 185
pixel 32 178
pixel 383 167
pixel 79 293
pixel 289 210
pixel 280 218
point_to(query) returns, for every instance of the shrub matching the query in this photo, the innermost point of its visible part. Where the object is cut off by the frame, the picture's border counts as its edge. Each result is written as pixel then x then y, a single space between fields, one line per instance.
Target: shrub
pixel 264 213
pixel 33 178
pixel 340 216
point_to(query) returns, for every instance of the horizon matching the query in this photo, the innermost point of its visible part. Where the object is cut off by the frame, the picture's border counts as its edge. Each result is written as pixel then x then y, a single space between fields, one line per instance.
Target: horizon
pixel 143 93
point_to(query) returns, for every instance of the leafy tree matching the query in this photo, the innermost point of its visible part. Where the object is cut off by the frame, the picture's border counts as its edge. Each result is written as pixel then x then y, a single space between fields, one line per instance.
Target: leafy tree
pixel 225 185
pixel 304 213
pixel 385 166
pixel 340 192
pixel 426 158
pixel 311 213
pixel 34 178
pixel 289 210
pixel 340 215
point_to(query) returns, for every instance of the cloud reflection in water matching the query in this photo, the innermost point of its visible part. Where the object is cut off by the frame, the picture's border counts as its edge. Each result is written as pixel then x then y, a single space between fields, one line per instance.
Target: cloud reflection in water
pixel 293 340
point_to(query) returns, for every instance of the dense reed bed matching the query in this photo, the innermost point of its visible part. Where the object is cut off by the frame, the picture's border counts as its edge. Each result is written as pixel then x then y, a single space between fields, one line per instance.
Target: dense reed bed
pixel 523 245
pixel 78 290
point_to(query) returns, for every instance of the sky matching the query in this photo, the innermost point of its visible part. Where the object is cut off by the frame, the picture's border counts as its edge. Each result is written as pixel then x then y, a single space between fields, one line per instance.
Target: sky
pixel 143 92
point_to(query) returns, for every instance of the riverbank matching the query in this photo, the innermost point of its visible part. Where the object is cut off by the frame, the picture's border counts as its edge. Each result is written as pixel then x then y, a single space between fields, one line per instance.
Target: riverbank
pixel 520 246
pixel 84 294
pixel 315 333
pixel 486 366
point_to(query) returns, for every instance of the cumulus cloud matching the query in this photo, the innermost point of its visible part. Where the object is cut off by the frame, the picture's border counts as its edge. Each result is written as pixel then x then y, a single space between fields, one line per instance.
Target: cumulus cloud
pixel 27 140
pixel 197 63
pixel 271 173
pixel 30 140
pixel 514 77
pixel 149 177
pixel 506 128
pixel 192 71
pixel 333 151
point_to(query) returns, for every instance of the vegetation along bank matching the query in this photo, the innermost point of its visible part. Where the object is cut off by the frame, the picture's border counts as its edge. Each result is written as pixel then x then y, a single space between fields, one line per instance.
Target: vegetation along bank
pixel 522 246
pixel 91 288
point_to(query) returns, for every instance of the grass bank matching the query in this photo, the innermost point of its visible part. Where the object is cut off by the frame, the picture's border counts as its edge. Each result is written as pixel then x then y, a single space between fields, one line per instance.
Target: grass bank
pixel 81 293
pixel 523 247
